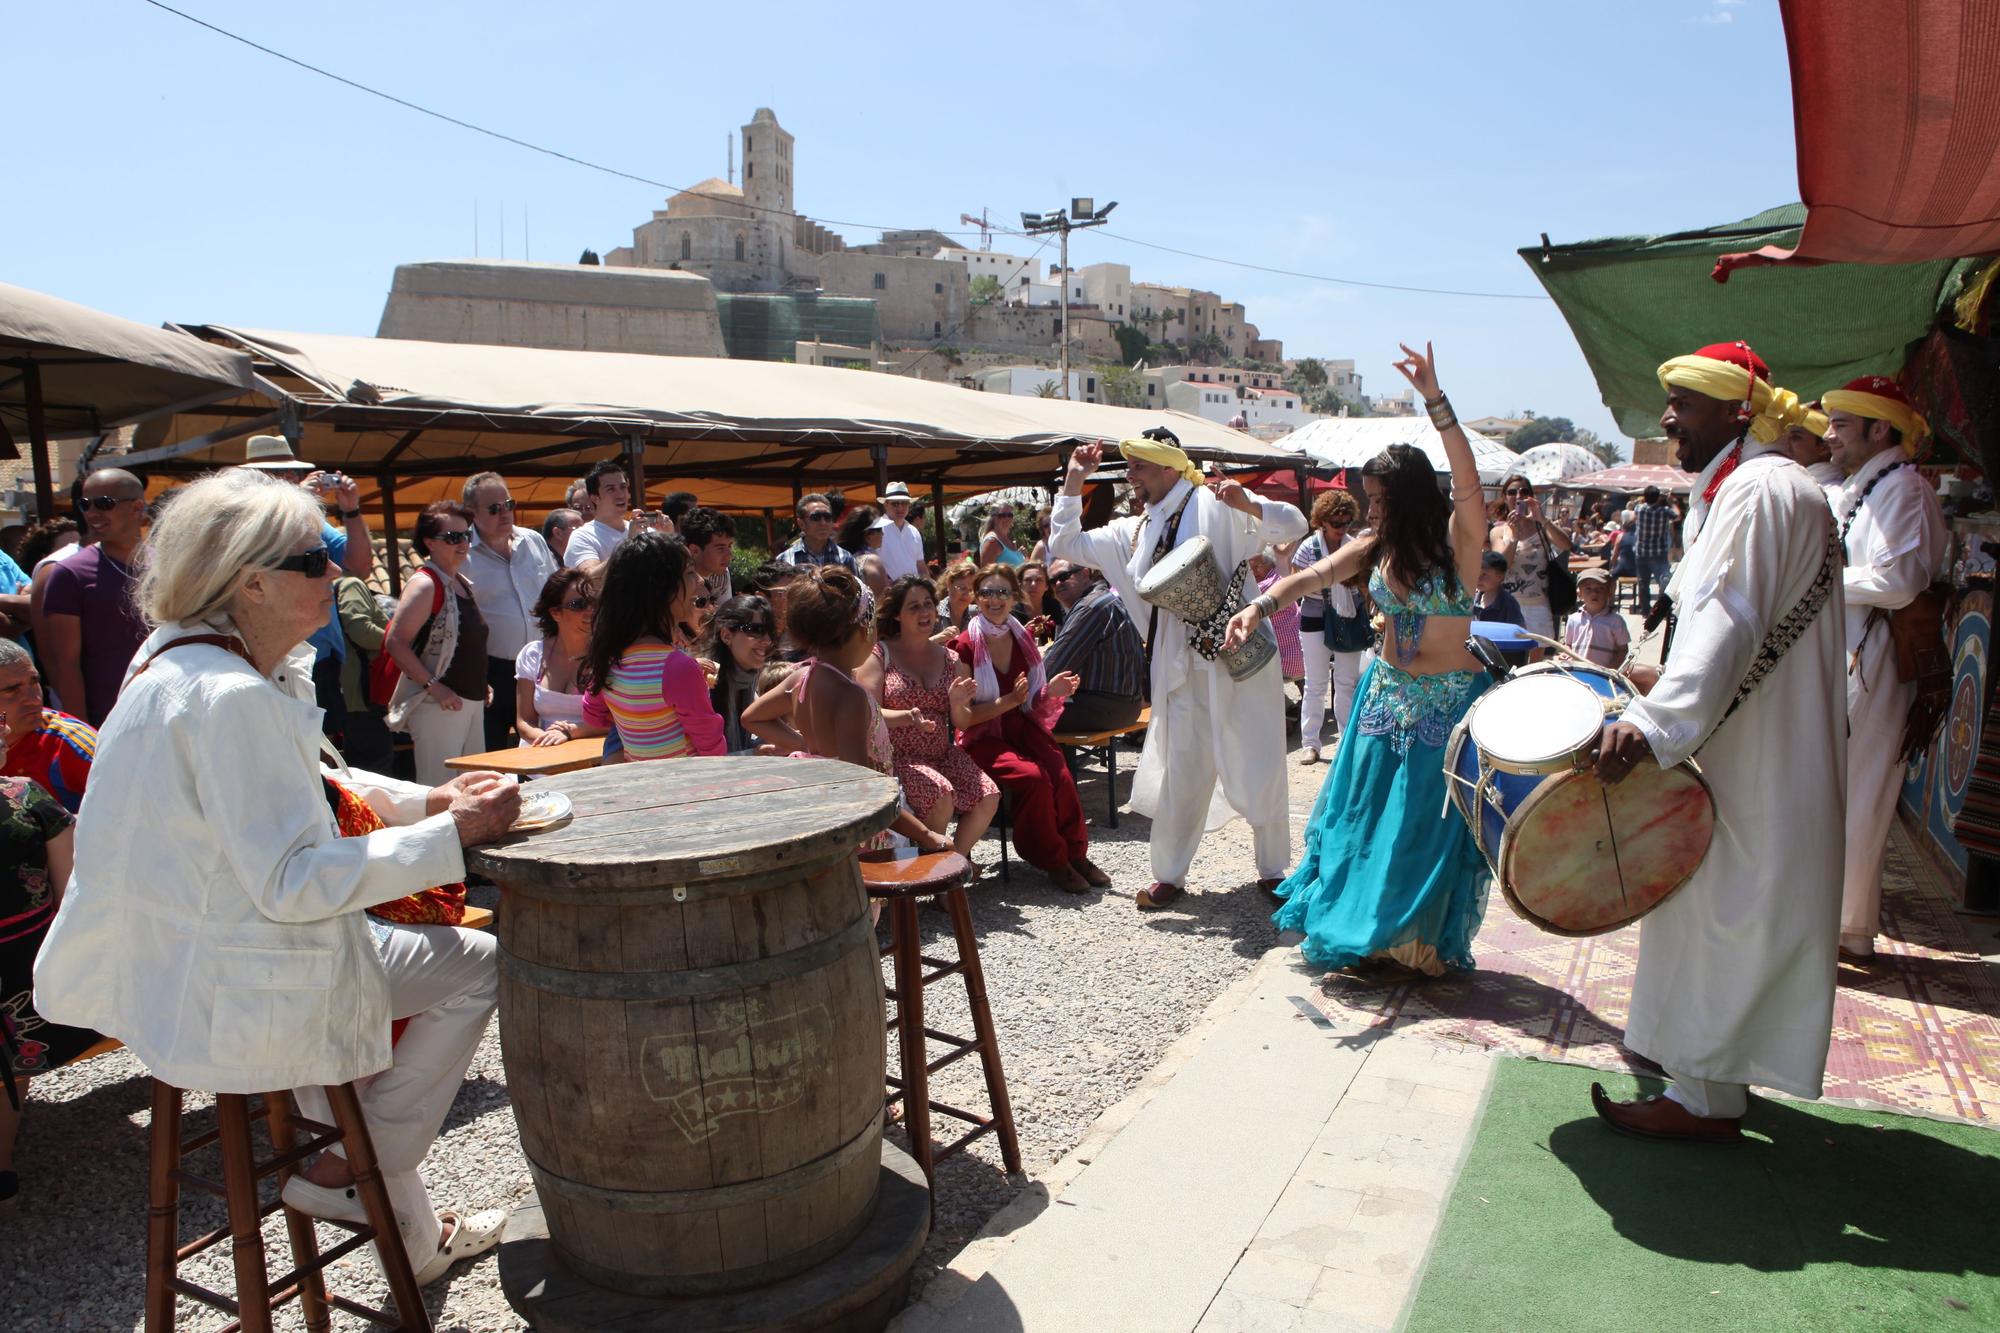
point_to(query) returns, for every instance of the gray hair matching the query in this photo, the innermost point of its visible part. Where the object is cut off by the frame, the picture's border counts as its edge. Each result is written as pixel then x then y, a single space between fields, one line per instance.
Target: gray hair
pixel 13 654
pixel 475 481
pixel 217 530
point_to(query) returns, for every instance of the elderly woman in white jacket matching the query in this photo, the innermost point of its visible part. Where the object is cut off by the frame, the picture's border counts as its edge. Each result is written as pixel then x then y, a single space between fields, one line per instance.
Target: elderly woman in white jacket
pixel 214 922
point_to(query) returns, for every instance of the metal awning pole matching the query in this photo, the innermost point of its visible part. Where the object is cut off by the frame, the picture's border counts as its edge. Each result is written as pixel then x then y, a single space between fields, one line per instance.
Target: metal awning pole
pixel 38 442
pixel 938 523
pixel 635 468
pixel 389 544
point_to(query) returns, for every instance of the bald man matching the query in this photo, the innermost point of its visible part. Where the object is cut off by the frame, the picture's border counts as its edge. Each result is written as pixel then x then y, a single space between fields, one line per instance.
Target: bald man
pixel 91 625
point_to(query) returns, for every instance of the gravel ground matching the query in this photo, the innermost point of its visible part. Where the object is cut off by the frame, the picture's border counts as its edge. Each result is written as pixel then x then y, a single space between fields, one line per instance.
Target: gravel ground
pixel 1087 995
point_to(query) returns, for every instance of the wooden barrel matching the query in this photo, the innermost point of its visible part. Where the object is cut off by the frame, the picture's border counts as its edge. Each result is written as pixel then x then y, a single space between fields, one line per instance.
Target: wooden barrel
pixel 691 1018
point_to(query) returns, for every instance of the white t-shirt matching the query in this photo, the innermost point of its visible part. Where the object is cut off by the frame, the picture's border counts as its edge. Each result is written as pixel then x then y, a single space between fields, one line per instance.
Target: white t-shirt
pixel 595 540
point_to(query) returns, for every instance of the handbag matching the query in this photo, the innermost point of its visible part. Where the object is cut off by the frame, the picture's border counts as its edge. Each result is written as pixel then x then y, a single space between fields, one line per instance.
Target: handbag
pixel 1350 634
pixel 1562 583
pixel 383 673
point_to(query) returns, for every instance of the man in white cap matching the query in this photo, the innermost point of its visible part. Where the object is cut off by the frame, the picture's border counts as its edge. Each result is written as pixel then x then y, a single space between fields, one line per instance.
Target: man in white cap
pixel 1893 532
pixel 1206 725
pixel 349 545
pixel 902 542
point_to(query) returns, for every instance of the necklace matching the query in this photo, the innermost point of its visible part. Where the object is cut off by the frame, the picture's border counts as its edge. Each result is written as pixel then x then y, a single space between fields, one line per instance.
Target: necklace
pixel 1854 511
pixel 1722 473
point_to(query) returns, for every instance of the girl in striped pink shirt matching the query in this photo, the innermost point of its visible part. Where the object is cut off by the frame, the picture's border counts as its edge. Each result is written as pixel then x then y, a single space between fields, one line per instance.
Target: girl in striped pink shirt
pixel 654 692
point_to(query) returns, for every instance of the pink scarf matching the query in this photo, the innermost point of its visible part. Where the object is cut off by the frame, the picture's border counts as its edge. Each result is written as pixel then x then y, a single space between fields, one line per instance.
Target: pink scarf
pixel 986 680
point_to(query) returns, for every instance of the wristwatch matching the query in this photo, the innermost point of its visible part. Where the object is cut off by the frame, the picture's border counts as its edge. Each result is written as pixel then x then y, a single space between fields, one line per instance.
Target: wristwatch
pixel 350 513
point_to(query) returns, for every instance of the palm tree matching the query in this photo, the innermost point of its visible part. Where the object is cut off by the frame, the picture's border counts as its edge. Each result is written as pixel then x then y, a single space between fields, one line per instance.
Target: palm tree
pixel 1310 374
pixel 1048 389
pixel 1208 348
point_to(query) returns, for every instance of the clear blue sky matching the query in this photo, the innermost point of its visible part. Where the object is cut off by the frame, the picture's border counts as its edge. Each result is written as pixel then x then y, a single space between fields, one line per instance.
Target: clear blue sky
pixel 168 173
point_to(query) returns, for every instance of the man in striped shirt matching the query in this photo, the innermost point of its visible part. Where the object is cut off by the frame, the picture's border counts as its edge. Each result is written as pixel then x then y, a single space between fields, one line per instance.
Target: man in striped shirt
pixel 1099 642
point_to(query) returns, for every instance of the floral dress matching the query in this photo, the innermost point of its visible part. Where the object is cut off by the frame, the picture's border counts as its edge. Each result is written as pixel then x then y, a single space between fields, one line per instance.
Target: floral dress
pixel 929 762
pixel 29 817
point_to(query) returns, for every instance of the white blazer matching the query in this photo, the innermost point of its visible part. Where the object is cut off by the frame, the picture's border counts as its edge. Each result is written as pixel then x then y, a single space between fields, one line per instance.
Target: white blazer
pixel 214 919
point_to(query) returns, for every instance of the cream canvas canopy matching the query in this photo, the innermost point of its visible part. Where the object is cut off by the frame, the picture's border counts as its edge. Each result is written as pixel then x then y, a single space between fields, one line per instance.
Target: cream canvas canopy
pixel 1342 442
pixel 413 419
pixel 67 370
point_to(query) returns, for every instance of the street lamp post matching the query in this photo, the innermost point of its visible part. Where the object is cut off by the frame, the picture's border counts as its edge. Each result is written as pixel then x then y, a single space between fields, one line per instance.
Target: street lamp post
pixel 1082 213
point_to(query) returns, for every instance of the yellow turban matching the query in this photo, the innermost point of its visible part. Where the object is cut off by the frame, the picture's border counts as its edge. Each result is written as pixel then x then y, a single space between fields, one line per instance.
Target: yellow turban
pixel 1789 411
pixel 1882 398
pixel 1161 454
pixel 1733 381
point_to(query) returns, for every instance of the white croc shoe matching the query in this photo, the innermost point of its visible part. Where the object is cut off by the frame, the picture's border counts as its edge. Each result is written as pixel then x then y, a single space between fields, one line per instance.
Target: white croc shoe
pixel 470 1237
pixel 321 1201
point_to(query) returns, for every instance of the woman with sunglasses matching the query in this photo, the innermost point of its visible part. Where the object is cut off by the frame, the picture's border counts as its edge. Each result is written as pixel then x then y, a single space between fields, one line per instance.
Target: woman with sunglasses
pixel 1328 669
pixel 548 696
pixel 1005 707
pixel 437 639
pixel 638 673
pixel 738 644
pixel 957 605
pixel 996 539
pixel 1531 543
pixel 913 678
pixel 1385 874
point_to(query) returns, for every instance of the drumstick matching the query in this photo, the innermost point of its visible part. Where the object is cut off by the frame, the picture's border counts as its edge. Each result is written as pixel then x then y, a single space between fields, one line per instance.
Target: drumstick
pixel 1556 644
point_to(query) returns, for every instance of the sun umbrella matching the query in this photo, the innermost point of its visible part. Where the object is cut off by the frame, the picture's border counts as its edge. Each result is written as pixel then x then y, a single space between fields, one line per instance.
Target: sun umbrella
pixel 1547 464
pixel 1352 441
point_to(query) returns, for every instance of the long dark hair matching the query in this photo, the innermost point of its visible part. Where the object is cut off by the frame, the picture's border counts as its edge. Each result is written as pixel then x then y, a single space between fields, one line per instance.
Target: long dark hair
pixel 641 580
pixel 1415 535
pixel 737 614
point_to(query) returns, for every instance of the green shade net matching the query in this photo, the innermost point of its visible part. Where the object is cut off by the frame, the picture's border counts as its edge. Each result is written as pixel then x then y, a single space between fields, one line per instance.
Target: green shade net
pixel 768 326
pixel 1635 301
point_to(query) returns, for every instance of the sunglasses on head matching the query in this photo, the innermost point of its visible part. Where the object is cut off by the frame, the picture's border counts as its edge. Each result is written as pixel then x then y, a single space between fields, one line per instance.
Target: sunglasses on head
pixel 504 507
pixel 104 503
pixel 311 563
pixel 452 538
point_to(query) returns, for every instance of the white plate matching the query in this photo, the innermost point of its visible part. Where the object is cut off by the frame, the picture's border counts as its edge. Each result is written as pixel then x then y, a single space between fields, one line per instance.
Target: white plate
pixel 540 810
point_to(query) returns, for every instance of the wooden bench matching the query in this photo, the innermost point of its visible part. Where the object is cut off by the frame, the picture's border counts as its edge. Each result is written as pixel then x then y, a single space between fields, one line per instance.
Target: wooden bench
pixel 476 918
pixel 1104 745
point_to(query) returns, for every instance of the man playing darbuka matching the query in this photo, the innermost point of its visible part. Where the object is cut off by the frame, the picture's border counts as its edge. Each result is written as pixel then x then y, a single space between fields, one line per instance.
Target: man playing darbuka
pixel 1736 970
pixel 1205 725
pixel 1894 535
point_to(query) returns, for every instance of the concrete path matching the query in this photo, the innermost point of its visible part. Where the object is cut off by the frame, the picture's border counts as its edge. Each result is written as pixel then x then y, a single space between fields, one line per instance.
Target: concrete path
pixel 1281 1174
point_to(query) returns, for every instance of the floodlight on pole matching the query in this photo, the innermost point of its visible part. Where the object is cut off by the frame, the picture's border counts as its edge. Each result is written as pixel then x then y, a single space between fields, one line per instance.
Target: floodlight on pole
pixel 1082 212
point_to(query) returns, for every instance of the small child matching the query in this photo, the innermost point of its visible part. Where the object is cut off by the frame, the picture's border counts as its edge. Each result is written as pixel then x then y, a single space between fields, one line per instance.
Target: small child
pixel 1493 601
pixel 1594 629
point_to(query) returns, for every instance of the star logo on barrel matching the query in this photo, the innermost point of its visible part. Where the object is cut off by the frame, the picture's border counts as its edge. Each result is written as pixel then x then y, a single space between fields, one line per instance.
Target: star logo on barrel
pixel 746 1059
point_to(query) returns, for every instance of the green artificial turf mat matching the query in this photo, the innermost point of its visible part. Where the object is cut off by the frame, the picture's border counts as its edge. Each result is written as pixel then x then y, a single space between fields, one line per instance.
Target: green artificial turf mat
pixel 1830 1219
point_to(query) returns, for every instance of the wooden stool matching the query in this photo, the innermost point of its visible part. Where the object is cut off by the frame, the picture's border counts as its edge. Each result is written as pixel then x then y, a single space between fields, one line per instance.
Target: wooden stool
pixel 900 882
pixel 256 1295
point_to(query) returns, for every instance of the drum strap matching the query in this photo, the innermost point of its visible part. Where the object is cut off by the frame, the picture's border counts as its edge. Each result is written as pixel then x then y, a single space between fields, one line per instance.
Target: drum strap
pixel 1160 549
pixel 1793 624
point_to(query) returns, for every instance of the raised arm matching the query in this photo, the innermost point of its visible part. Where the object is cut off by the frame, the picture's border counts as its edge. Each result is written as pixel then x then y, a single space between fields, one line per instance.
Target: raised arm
pixel 1468 501
pixel 1105 548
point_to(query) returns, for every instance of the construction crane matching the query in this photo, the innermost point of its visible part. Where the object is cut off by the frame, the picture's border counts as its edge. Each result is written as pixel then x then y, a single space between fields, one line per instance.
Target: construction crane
pixel 985 228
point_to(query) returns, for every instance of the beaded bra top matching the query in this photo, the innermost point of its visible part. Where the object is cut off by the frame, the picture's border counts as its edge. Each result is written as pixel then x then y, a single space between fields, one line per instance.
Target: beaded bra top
pixel 1403 708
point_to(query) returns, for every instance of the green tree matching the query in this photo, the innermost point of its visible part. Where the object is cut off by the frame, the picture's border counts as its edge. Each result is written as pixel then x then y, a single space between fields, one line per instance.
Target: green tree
pixel 1208 348
pixel 1309 374
pixel 986 289
pixel 1132 342
pixel 1541 430
pixel 1607 451
pixel 1121 386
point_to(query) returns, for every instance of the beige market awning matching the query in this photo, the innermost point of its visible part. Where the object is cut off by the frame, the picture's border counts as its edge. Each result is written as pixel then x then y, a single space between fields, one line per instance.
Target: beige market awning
pixel 741 434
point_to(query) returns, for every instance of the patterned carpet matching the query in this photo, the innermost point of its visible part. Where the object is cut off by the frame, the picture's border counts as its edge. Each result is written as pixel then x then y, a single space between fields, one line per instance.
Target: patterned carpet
pixel 1918 1031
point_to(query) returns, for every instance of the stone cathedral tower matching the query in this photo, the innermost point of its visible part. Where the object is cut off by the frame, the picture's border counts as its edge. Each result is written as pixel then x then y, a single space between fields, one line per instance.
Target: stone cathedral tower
pixel 767 164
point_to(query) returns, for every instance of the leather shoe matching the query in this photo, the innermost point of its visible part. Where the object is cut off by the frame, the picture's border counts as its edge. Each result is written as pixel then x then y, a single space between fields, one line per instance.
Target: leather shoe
pixel 1089 869
pixel 1270 887
pixel 1662 1118
pixel 1069 880
pixel 1156 895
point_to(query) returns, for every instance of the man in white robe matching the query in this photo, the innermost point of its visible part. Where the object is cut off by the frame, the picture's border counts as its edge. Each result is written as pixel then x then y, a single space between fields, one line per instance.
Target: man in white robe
pixel 1736 971
pixel 1205 725
pixel 1894 533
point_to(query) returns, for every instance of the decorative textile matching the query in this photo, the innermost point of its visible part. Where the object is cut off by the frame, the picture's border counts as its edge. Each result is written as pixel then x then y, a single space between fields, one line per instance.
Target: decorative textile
pixel 1880 398
pixel 29 817
pixel 1412 710
pixel 1285 624
pixel 1387 863
pixel 1733 373
pixel 1430 598
pixel 1162 454
pixel 1918 1031
pixel 1854 509
pixel 58 757
pixel 438 650
pixel 439 905
pixel 971 644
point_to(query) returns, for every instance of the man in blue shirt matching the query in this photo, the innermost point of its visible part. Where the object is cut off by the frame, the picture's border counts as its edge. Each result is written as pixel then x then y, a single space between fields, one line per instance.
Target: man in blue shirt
pixel 350 548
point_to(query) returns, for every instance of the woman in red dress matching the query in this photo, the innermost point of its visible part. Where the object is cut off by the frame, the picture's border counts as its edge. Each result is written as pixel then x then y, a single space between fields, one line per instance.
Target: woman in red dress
pixel 1005 725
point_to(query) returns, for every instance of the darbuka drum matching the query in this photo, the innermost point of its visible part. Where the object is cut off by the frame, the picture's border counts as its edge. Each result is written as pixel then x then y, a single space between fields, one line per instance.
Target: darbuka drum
pixel 1188 582
pixel 1571 855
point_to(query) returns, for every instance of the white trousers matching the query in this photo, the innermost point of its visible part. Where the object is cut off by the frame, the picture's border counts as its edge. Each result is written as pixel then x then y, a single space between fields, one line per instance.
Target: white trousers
pixel 1252 773
pixel 1703 1097
pixel 438 736
pixel 1878 706
pixel 446 981
pixel 1325 669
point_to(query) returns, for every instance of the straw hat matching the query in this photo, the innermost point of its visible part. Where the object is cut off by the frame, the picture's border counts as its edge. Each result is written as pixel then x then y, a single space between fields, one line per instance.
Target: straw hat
pixel 272 453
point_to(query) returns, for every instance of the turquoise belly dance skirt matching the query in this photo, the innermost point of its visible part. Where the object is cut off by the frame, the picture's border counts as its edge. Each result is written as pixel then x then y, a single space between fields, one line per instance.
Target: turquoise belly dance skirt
pixel 1388 862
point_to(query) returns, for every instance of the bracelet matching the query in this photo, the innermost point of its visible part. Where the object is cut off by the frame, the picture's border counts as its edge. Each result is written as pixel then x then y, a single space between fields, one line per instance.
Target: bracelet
pixel 1441 414
pixel 1266 604
pixel 350 514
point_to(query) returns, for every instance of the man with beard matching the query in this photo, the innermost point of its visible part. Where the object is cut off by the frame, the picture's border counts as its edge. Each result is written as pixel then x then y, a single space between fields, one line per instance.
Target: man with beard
pixel 1736 970
pixel 1205 725
pixel 1894 535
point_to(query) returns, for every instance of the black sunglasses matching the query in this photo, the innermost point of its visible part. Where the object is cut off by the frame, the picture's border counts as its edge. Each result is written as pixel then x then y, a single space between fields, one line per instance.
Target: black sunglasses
pixel 104 503
pixel 996 590
pixel 820 516
pixel 703 602
pixel 504 507
pixel 1516 490
pixel 761 629
pixel 452 538
pixel 579 604
pixel 311 563
pixel 1060 578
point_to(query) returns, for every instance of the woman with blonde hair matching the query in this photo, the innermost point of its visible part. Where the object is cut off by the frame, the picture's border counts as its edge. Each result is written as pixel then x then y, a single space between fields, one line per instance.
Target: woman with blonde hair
pixel 228 947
